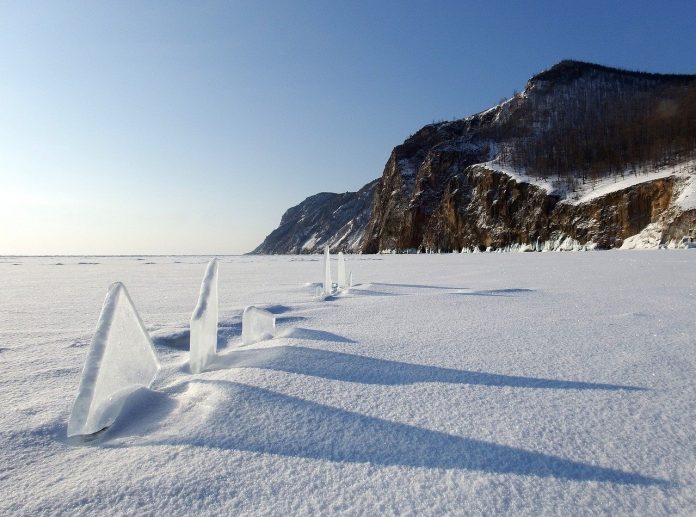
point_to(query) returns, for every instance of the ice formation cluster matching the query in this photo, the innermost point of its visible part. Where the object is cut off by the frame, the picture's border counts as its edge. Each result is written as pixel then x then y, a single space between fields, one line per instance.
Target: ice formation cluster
pixel 122 358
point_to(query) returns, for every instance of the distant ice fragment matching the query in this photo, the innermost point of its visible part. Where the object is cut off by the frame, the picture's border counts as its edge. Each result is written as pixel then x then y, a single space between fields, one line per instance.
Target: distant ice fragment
pixel 204 321
pixel 350 280
pixel 327 272
pixel 341 281
pixel 120 360
pixel 257 325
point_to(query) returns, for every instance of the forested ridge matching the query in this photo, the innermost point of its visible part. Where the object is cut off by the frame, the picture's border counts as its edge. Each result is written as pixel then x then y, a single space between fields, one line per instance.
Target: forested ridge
pixel 579 121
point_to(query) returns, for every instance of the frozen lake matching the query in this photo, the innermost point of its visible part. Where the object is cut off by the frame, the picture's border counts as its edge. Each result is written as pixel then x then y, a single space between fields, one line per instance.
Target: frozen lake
pixel 486 383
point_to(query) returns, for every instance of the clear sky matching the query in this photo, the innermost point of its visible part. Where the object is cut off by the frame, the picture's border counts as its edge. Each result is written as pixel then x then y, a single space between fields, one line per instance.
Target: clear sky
pixel 190 127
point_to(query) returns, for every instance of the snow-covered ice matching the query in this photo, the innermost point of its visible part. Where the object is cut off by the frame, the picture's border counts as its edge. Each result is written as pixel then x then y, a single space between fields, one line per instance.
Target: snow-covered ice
pixel 518 383
pixel 257 325
pixel 120 360
pixel 204 321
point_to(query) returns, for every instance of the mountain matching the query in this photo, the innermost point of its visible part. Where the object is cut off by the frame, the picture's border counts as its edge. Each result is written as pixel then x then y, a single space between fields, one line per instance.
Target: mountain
pixel 336 220
pixel 585 156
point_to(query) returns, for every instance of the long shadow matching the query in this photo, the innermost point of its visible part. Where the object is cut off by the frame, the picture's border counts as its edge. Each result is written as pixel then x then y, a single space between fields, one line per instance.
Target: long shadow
pixel 278 309
pixel 367 370
pixel 417 286
pixel 358 292
pixel 258 420
pixel 316 335
pixel 289 320
pixel 181 339
pixel 178 340
pixel 496 292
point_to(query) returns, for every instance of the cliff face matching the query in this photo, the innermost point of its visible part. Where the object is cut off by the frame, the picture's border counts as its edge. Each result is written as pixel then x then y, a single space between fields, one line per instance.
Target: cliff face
pixel 481 208
pixel 511 175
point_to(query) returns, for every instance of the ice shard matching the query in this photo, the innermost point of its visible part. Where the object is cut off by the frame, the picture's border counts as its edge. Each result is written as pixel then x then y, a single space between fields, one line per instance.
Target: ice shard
pixel 341 280
pixel 257 325
pixel 350 279
pixel 327 272
pixel 120 360
pixel 204 321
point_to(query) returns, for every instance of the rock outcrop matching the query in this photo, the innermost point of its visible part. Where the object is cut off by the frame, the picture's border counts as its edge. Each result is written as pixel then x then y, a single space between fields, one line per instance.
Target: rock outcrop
pixel 454 185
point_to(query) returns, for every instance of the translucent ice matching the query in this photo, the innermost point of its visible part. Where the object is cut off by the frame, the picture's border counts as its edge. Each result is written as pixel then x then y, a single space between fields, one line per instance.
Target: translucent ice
pixel 121 359
pixel 257 325
pixel 204 321
pixel 327 272
pixel 341 280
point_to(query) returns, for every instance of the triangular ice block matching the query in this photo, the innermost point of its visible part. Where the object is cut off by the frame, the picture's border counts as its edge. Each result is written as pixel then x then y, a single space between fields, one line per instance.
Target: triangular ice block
pixel 204 321
pixel 121 359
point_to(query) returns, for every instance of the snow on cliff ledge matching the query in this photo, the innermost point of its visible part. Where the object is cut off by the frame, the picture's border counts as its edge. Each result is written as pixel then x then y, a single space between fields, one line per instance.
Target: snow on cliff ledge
pixel 593 189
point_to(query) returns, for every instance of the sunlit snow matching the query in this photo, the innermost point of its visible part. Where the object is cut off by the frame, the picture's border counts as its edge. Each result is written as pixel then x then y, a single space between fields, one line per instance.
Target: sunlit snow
pixel 518 383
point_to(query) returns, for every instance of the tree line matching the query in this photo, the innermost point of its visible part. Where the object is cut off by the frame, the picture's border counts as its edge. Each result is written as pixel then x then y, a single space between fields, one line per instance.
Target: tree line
pixel 591 129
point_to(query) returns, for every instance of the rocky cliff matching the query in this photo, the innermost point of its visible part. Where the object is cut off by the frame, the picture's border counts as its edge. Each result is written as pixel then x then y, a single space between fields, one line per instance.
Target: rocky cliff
pixel 579 156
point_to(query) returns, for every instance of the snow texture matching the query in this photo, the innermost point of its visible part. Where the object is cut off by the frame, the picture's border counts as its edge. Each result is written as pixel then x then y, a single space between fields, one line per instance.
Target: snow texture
pixel 468 384
pixel 257 325
pixel 686 200
pixel 341 280
pixel 328 286
pixel 121 359
pixel 204 321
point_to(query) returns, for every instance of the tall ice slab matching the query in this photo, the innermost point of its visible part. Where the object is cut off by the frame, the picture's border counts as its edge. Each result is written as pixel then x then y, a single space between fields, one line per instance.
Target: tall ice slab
pixel 327 272
pixel 341 280
pixel 204 321
pixel 121 359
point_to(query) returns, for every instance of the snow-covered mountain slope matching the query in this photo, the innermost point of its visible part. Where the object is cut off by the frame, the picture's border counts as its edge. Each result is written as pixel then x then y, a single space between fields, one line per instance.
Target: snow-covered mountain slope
pixel 326 219
pixel 545 165
pixel 484 384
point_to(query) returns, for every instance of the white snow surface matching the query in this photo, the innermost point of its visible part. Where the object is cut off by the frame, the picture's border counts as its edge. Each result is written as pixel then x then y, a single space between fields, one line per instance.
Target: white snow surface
pixel 686 200
pixel 520 383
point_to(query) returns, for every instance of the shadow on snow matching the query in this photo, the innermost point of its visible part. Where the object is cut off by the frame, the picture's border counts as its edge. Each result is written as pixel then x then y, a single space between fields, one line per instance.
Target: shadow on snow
pixel 258 420
pixel 368 370
pixel 496 292
pixel 181 339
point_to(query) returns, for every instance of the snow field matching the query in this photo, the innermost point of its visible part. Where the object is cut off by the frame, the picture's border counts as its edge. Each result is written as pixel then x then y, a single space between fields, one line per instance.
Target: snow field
pixel 477 383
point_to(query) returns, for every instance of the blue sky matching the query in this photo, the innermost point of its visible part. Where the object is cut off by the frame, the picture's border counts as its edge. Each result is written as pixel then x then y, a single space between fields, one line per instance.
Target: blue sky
pixel 190 127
